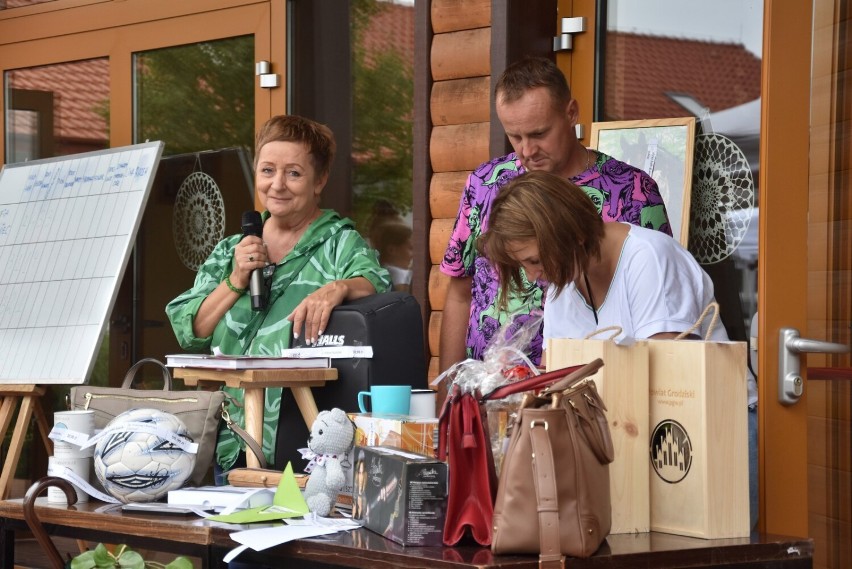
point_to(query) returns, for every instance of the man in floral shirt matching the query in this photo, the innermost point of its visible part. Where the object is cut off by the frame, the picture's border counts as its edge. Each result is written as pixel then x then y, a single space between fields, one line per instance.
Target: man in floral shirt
pixel 537 112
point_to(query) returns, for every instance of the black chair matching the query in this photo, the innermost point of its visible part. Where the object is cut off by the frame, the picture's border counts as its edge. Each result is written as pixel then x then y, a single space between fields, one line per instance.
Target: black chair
pixel 392 325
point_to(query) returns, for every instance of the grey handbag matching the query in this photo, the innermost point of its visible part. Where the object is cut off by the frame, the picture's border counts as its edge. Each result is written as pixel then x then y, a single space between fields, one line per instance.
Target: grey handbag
pixel 200 411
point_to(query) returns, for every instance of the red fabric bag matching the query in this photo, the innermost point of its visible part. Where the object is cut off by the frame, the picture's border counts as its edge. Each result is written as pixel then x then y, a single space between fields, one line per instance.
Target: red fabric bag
pixel 463 441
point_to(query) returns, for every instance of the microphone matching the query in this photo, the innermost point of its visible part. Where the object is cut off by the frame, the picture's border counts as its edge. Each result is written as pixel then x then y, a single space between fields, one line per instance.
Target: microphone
pixel 253 225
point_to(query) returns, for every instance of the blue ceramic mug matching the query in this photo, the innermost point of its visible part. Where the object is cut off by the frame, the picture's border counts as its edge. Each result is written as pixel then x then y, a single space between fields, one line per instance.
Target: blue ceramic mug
pixel 386 399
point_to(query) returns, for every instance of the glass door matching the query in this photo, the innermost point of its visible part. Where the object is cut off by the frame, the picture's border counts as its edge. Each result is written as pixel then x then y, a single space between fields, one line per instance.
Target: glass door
pixel 82 76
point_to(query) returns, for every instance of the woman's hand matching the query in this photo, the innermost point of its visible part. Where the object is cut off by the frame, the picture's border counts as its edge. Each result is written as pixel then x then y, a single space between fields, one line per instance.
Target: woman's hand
pixel 249 254
pixel 315 310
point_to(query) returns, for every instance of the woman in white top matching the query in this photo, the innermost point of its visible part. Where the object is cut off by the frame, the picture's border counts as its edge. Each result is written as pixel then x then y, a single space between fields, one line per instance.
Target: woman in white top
pixel 600 274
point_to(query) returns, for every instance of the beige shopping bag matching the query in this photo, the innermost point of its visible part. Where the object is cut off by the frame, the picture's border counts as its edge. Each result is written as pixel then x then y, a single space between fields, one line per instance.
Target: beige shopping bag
pixel 699 437
pixel 623 386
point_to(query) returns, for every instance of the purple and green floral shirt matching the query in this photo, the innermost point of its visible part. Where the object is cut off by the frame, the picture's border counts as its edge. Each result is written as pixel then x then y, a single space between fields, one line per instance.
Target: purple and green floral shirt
pixel 621 193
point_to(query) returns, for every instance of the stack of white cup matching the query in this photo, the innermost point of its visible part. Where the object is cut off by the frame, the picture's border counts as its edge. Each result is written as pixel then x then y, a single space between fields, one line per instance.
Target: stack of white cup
pixel 67 454
pixel 423 404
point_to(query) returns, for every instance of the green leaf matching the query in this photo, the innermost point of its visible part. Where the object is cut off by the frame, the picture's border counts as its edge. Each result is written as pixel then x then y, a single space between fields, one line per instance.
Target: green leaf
pixel 180 563
pixel 131 560
pixel 103 558
pixel 85 560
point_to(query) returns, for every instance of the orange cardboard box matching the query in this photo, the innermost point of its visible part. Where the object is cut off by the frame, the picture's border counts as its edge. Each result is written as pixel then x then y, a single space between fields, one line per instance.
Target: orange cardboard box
pixel 412 434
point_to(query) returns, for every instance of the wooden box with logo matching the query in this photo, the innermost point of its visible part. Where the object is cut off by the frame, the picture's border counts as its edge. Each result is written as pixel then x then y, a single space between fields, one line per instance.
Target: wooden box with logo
pixel 699 438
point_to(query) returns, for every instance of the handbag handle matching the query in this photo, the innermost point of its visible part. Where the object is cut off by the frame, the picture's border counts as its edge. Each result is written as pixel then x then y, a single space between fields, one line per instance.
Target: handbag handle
pixel 581 373
pixel 444 422
pixel 131 373
pixel 530 383
pixel 241 433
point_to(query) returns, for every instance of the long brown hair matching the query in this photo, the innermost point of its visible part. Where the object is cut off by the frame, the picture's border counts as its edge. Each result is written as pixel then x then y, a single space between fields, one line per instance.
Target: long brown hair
pixel 555 213
pixel 292 128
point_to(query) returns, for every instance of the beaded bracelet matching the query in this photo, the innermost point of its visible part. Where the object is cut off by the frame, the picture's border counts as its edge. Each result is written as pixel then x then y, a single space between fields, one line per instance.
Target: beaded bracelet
pixel 233 288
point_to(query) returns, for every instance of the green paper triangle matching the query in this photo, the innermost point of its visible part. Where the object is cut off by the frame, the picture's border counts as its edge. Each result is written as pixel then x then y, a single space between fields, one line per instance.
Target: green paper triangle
pixel 288 494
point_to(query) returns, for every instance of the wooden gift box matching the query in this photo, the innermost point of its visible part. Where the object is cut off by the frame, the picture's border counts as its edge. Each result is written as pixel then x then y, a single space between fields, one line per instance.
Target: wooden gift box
pixel 699 438
pixel 622 383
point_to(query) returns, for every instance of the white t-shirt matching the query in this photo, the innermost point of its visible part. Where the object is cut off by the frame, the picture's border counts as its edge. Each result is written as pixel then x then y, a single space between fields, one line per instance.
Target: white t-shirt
pixel 657 287
pixel 399 276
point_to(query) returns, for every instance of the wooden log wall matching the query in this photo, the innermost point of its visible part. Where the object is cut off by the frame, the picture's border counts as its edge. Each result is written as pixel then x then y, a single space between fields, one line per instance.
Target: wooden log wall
pixel 459 109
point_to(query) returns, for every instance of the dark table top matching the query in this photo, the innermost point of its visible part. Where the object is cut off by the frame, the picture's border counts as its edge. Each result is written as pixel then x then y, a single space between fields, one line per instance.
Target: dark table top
pixel 365 549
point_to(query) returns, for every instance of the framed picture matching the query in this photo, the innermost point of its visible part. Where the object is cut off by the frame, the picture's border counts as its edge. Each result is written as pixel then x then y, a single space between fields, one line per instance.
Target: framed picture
pixel 661 147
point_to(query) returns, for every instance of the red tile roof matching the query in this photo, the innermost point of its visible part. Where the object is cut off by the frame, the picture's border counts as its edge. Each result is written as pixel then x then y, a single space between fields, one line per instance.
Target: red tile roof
pixel 392 28
pixel 79 88
pixel 641 69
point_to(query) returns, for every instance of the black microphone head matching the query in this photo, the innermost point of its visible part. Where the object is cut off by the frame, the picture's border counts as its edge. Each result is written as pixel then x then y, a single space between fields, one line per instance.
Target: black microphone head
pixel 252 224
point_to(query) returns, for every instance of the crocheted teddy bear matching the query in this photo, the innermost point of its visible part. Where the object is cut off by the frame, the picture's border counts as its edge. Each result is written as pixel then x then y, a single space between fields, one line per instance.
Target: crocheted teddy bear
pixel 332 436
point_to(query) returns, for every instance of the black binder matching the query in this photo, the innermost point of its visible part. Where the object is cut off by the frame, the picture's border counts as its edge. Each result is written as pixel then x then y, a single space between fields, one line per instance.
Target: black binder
pixel 392 325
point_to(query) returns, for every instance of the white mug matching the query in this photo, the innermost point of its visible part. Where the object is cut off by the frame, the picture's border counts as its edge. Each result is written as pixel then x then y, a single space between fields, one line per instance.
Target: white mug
pixel 80 466
pixel 423 402
pixel 80 425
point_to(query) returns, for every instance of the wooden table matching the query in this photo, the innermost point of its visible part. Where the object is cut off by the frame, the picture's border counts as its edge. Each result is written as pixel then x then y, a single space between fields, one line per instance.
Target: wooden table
pixel 255 382
pixel 210 541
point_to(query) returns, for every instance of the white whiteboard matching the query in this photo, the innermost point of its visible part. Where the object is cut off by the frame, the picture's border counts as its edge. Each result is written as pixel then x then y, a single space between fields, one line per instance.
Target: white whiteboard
pixel 67 227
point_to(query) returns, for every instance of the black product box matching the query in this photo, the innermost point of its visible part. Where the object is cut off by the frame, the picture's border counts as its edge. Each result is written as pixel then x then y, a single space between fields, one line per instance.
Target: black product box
pixel 400 495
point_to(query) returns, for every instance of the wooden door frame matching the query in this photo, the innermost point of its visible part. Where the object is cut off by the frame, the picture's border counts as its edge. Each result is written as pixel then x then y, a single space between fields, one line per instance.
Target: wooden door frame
pixel 782 237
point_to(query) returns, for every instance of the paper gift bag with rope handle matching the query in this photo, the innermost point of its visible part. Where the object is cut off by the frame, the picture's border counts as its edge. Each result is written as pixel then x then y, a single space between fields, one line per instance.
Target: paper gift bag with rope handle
pixel 699 436
pixel 623 386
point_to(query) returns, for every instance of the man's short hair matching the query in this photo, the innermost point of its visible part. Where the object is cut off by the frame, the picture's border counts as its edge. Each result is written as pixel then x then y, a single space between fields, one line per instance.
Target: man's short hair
pixel 529 73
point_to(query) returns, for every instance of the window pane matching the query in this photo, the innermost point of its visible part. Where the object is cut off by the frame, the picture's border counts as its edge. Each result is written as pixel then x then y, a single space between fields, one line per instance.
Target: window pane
pixel 56 110
pixel 199 100
pixel 383 64
pixel 666 59
pixel 196 97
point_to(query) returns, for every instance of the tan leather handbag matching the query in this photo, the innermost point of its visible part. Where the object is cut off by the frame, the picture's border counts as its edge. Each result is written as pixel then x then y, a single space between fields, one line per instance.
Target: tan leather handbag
pixel 553 497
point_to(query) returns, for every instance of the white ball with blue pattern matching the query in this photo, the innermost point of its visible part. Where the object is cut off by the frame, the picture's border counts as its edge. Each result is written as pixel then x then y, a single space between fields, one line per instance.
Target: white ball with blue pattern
pixel 141 458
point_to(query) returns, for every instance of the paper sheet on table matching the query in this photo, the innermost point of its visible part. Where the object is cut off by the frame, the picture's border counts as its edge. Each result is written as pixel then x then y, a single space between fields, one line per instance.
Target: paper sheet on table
pixel 310 526
pixel 264 538
pixel 287 503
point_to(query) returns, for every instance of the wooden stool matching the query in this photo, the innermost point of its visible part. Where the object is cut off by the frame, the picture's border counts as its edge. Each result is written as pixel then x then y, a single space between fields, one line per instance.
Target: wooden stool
pixel 254 382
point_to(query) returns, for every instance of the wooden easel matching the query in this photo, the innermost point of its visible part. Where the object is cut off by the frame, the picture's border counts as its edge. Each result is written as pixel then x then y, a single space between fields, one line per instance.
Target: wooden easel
pixel 255 382
pixel 29 398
